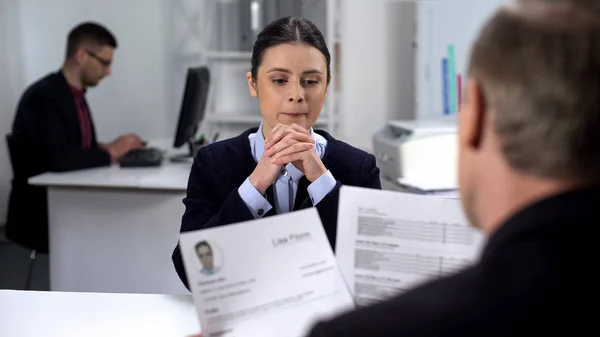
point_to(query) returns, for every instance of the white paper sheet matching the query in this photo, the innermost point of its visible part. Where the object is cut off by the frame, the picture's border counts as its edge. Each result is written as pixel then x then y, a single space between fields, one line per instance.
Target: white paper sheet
pixel 389 242
pixel 427 186
pixel 270 277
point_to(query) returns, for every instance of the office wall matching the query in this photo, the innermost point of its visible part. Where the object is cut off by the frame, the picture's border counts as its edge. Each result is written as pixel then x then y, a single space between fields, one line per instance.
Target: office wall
pixel 10 81
pixel 377 67
pixel 385 76
pixel 438 32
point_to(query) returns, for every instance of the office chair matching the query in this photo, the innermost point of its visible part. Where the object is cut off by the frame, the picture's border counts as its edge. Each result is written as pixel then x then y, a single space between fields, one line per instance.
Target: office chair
pixel 12 145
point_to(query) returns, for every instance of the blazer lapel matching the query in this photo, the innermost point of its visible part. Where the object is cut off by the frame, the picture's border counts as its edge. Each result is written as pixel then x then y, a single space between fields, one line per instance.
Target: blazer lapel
pixel 68 106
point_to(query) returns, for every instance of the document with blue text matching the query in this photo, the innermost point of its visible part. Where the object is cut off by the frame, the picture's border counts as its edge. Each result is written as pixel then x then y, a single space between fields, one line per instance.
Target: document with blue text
pixel 274 276
pixel 389 242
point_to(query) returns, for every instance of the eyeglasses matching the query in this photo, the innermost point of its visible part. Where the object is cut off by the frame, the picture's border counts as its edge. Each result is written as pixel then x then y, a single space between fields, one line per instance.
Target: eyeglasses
pixel 103 61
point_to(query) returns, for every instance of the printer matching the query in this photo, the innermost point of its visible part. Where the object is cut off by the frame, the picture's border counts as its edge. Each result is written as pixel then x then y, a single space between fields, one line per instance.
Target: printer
pixel 418 154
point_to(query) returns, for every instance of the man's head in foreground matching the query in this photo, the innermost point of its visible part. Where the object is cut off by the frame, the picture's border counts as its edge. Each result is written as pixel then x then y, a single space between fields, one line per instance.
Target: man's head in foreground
pixel 529 126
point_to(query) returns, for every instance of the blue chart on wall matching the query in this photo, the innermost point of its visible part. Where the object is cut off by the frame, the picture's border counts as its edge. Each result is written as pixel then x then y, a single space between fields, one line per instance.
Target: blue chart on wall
pixel 446 31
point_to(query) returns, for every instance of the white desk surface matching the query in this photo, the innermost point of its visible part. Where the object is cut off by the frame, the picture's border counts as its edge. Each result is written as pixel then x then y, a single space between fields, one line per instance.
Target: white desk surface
pixel 169 176
pixel 63 314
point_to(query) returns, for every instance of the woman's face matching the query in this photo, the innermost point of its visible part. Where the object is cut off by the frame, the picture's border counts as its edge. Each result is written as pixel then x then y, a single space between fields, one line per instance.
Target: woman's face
pixel 291 85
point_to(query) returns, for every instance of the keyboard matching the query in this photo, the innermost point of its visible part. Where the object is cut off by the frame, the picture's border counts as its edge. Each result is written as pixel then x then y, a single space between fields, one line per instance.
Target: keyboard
pixel 146 157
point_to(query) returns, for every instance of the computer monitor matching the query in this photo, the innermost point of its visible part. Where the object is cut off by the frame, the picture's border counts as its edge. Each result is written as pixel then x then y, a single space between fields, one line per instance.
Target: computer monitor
pixel 193 106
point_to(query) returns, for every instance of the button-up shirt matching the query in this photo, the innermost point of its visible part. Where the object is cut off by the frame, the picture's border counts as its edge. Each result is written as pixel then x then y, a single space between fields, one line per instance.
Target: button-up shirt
pixel 84 117
pixel 286 184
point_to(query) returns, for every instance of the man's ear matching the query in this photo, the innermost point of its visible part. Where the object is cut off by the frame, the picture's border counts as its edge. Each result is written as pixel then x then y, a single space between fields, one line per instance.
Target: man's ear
pixel 472 115
pixel 80 55
pixel 251 85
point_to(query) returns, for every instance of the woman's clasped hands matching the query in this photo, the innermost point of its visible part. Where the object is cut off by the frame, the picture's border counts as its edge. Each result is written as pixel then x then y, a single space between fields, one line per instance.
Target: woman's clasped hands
pixel 293 144
pixel 287 144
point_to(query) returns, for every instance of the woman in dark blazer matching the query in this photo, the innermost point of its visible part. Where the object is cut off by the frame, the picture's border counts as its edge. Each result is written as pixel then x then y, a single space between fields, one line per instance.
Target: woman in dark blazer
pixel 283 165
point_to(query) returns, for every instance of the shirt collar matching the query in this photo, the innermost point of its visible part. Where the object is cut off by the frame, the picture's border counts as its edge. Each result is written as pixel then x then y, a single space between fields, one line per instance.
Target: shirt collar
pixel 76 91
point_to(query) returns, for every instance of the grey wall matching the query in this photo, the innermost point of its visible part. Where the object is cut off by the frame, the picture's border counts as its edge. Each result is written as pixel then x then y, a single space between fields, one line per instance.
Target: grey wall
pixel 10 81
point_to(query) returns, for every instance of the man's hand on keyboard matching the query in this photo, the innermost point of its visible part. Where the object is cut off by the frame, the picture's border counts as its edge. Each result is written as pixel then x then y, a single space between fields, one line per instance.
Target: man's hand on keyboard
pixel 124 144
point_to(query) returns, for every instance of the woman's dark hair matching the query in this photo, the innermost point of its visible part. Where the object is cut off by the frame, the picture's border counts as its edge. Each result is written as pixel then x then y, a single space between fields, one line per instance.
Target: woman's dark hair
pixel 290 29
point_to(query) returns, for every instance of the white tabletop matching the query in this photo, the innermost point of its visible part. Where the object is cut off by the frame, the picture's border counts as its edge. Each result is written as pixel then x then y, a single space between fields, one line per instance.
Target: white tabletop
pixel 168 176
pixel 62 314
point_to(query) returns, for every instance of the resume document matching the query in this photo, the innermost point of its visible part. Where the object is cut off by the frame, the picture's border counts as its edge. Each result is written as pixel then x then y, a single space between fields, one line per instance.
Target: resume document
pixel 270 277
pixel 388 242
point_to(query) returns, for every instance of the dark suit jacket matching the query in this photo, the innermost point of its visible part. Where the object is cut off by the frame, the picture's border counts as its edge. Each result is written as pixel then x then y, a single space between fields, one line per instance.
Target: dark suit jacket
pixel 220 168
pixel 46 137
pixel 534 278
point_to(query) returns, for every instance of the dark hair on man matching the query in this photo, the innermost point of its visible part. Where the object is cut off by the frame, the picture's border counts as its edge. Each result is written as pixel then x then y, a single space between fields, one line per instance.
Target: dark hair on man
pixel 538 64
pixel 89 33
pixel 289 29
pixel 203 243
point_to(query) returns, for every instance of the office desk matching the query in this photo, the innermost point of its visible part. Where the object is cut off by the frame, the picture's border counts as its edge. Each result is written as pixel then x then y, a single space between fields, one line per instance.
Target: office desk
pixel 63 314
pixel 113 229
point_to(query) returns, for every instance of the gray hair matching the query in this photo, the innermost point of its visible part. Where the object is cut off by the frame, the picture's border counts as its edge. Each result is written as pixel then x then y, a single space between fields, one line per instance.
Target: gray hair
pixel 538 63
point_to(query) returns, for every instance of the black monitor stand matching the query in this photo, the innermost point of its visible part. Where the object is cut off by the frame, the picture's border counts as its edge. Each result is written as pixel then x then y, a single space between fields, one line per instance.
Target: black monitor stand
pixel 193 147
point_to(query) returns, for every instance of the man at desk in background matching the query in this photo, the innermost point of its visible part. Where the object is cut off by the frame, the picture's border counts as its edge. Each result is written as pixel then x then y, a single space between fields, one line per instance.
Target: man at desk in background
pixel 53 130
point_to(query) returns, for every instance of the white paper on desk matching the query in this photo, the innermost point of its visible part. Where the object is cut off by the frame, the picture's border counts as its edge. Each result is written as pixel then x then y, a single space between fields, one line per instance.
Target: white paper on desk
pixel 272 277
pixel 430 187
pixel 389 242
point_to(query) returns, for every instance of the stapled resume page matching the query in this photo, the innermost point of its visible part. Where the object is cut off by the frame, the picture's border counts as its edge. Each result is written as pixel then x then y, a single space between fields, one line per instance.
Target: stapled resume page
pixel 389 242
pixel 269 277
